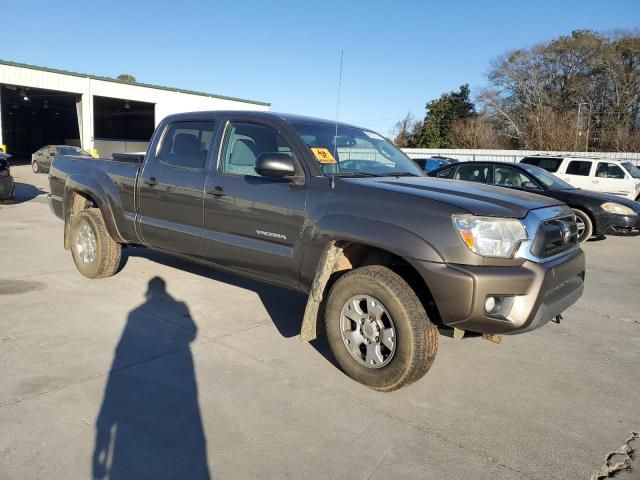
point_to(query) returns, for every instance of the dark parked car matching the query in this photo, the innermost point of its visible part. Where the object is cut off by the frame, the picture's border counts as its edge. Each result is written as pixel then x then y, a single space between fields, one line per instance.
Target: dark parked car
pixel 7 185
pixel 336 212
pixel 431 163
pixel 41 160
pixel 596 213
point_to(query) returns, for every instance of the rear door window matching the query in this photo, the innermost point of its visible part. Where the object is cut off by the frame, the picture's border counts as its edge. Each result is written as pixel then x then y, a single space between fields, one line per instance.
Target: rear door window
pixel 187 144
pixel 472 173
pixel 579 167
pixel 549 164
pixel 609 170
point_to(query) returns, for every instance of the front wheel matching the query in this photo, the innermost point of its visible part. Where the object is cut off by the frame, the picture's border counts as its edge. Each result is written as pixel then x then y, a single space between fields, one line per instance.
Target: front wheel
pixel 378 330
pixel 584 224
pixel 94 252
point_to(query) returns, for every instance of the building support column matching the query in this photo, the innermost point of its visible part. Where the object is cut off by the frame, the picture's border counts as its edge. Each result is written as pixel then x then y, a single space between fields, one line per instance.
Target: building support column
pixel 2 146
pixel 85 119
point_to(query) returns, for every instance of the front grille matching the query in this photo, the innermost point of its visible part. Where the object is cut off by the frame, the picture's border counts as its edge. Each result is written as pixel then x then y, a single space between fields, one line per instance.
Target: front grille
pixel 554 236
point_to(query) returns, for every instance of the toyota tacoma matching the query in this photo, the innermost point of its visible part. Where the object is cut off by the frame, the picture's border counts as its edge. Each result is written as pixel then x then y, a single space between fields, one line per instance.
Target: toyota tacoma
pixel 385 254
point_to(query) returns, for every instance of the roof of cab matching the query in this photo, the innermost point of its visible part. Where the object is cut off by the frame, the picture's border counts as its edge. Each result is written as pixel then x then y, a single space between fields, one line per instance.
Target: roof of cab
pixel 288 117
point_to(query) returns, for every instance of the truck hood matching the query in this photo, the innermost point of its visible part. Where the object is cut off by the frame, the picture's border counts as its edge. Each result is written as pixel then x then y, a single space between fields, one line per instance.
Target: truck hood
pixel 475 198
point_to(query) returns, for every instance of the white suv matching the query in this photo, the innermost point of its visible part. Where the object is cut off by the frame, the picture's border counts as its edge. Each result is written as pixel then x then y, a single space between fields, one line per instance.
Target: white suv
pixel 617 177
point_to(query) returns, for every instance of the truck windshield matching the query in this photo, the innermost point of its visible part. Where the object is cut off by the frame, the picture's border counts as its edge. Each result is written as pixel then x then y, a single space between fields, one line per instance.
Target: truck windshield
pixel 354 151
pixel 632 169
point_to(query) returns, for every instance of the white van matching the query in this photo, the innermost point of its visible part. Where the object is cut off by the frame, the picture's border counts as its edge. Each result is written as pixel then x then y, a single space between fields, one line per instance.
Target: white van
pixel 617 177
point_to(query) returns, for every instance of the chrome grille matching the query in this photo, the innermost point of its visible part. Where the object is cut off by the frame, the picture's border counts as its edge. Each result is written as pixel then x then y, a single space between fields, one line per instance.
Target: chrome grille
pixel 555 236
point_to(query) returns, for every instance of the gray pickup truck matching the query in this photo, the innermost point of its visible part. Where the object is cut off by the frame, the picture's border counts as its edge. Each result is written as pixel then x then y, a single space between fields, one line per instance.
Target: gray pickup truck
pixel 385 254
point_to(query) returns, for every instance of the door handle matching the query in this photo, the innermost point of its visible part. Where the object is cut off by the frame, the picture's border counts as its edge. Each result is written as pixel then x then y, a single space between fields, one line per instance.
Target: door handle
pixel 217 191
pixel 151 181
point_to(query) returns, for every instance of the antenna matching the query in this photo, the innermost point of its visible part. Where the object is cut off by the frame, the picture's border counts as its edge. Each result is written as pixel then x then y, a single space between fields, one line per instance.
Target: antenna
pixel 335 139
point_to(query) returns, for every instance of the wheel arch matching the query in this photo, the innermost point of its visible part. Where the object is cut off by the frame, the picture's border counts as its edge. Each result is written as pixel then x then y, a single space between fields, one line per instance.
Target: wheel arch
pixel 341 256
pixel 589 213
pixel 82 193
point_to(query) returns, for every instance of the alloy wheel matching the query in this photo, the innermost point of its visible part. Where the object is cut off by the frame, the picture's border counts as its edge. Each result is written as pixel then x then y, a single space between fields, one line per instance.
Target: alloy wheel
pixel 368 331
pixel 86 243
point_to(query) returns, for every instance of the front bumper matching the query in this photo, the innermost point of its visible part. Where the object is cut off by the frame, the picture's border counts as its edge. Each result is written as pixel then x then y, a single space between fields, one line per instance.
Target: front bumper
pixel 534 292
pixel 622 225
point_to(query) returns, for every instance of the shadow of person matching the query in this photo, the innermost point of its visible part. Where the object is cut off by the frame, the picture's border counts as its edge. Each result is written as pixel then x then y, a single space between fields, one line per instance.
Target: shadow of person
pixel 26 192
pixel 149 425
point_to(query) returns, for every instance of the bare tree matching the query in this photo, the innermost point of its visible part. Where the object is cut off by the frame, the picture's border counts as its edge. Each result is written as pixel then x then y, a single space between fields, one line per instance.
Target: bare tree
pixel 535 95
pixel 403 131
pixel 476 132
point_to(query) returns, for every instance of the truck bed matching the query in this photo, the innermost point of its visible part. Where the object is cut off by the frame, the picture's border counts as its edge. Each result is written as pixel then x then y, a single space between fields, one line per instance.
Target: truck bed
pixel 115 180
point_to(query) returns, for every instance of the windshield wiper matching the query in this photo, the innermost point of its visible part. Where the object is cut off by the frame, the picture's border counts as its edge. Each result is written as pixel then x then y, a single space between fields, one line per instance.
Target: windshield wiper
pixel 400 174
pixel 354 174
pixel 367 174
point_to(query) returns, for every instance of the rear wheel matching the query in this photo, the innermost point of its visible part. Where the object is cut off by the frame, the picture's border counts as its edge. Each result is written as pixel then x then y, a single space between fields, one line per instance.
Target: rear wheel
pixel 35 167
pixel 584 224
pixel 378 330
pixel 94 252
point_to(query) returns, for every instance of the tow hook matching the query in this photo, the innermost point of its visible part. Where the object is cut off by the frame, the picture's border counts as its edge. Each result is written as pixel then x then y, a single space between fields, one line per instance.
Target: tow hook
pixel 497 339
pixel 557 319
pixel 458 334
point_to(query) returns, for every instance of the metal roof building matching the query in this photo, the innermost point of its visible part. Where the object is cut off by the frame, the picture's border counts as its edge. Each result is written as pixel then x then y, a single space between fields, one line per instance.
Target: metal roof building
pixel 42 106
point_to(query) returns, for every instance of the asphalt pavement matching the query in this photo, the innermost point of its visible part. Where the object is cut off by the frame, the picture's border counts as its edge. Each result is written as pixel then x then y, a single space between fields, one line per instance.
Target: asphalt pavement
pixel 170 370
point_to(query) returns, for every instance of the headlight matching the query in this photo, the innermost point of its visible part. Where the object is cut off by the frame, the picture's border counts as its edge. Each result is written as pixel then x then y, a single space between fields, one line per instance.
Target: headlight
pixel 490 237
pixel 618 209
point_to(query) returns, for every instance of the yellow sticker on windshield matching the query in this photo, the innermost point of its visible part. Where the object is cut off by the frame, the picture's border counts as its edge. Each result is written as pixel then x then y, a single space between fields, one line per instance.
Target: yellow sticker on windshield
pixel 323 155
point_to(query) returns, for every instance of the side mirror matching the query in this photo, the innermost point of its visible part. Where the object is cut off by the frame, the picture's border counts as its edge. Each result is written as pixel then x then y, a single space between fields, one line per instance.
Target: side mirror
pixel 275 165
pixel 530 186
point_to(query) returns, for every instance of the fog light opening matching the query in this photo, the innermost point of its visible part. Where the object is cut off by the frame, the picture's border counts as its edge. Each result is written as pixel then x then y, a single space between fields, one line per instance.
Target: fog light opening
pixel 492 304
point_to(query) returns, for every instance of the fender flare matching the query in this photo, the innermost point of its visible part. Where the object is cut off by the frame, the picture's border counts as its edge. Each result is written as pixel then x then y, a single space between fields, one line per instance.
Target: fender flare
pixel 334 230
pixel 104 196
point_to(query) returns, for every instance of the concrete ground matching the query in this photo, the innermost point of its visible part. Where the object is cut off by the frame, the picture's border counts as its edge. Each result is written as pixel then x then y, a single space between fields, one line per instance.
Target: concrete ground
pixel 170 370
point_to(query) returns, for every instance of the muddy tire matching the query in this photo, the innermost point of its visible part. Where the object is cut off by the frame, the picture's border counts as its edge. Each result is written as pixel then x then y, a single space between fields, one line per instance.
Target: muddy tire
pixel 585 225
pixel 378 330
pixel 94 252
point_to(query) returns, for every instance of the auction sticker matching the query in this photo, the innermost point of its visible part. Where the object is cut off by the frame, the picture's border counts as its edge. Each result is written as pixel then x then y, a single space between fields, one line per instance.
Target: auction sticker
pixel 323 155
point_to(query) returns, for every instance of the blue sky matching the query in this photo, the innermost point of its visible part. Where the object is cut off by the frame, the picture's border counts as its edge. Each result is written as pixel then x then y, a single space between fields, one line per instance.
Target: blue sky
pixel 397 54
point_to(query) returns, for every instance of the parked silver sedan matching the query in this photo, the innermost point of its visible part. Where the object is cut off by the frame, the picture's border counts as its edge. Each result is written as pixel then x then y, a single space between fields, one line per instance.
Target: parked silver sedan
pixel 41 160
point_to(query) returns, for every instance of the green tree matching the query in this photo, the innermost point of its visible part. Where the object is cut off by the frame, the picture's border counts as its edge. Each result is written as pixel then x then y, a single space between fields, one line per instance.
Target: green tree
pixel 126 77
pixel 441 113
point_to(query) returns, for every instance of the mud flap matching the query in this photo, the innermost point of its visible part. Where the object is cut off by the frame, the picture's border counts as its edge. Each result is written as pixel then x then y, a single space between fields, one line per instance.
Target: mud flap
pixel 328 264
